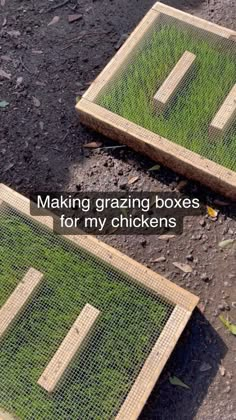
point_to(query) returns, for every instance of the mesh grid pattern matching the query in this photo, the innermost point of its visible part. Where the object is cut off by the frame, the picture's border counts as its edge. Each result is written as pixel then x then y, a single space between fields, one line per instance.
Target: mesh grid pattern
pixel 187 118
pixel 102 374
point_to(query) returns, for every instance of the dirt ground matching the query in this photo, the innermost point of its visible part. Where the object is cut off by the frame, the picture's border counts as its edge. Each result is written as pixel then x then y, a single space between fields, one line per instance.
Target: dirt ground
pixel 41 147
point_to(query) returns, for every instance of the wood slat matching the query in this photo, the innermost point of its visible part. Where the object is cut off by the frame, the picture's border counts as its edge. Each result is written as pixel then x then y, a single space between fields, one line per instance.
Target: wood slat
pixel 195 21
pixel 153 366
pixel 174 82
pixel 19 299
pixel 225 117
pixel 72 343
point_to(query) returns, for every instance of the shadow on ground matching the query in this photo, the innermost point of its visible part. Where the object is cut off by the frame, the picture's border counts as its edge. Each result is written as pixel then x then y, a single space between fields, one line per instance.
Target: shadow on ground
pixel 200 348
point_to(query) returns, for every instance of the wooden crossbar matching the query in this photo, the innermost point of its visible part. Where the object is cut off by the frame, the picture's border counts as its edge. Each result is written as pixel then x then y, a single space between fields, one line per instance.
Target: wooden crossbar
pixel 67 351
pixel 174 82
pixel 225 117
pixel 19 299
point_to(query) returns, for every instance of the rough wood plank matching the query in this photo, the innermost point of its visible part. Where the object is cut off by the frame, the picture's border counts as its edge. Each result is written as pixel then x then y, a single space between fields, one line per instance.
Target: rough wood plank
pixel 174 156
pixel 137 272
pixel 174 82
pixel 194 20
pixel 152 368
pixel 71 344
pixel 19 299
pixel 122 56
pixel 225 117
pixel 6 416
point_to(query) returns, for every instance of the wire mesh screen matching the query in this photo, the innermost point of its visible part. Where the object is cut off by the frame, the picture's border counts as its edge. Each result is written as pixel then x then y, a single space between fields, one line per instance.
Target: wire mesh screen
pixel 100 377
pixel 201 112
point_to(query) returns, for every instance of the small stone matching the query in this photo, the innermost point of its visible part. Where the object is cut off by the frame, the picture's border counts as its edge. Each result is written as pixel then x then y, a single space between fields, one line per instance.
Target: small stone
pixel 189 257
pixel 221 307
pixel 202 223
pixel 224 306
pixel 222 370
pixel 204 277
pixel 74 18
pixel 123 185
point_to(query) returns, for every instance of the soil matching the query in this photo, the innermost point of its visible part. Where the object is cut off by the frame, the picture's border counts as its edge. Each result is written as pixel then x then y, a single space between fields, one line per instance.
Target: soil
pixel 41 148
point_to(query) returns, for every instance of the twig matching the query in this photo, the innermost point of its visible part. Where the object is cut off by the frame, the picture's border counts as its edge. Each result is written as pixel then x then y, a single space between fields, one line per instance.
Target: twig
pixel 24 66
pixel 57 6
pixel 78 38
pixel 112 147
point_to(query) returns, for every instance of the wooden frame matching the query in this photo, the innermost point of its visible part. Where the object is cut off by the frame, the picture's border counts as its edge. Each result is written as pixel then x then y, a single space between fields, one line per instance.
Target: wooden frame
pixel 176 157
pixel 19 299
pixel 183 301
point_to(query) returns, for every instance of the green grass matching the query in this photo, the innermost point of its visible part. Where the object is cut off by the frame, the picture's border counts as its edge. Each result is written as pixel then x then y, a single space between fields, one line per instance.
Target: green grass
pixel 100 377
pixel 187 121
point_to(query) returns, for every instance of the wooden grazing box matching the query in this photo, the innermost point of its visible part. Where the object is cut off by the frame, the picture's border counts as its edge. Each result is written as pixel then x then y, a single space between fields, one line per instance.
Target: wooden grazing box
pixel 155 287
pixel 220 177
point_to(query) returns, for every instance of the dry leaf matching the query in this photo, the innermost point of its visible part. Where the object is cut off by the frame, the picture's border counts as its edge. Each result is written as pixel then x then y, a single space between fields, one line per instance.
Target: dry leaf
pixel 5 57
pixel 37 52
pixel 160 259
pixel 93 145
pixel 184 267
pixel 36 102
pixel 4 74
pixel 154 168
pixel 177 382
pixel 213 214
pixel 4 104
pixel 74 18
pixel 166 237
pixel 8 167
pixel 54 20
pixel 13 33
pixel 228 243
pixel 133 180
pixel 19 80
pixel 228 325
